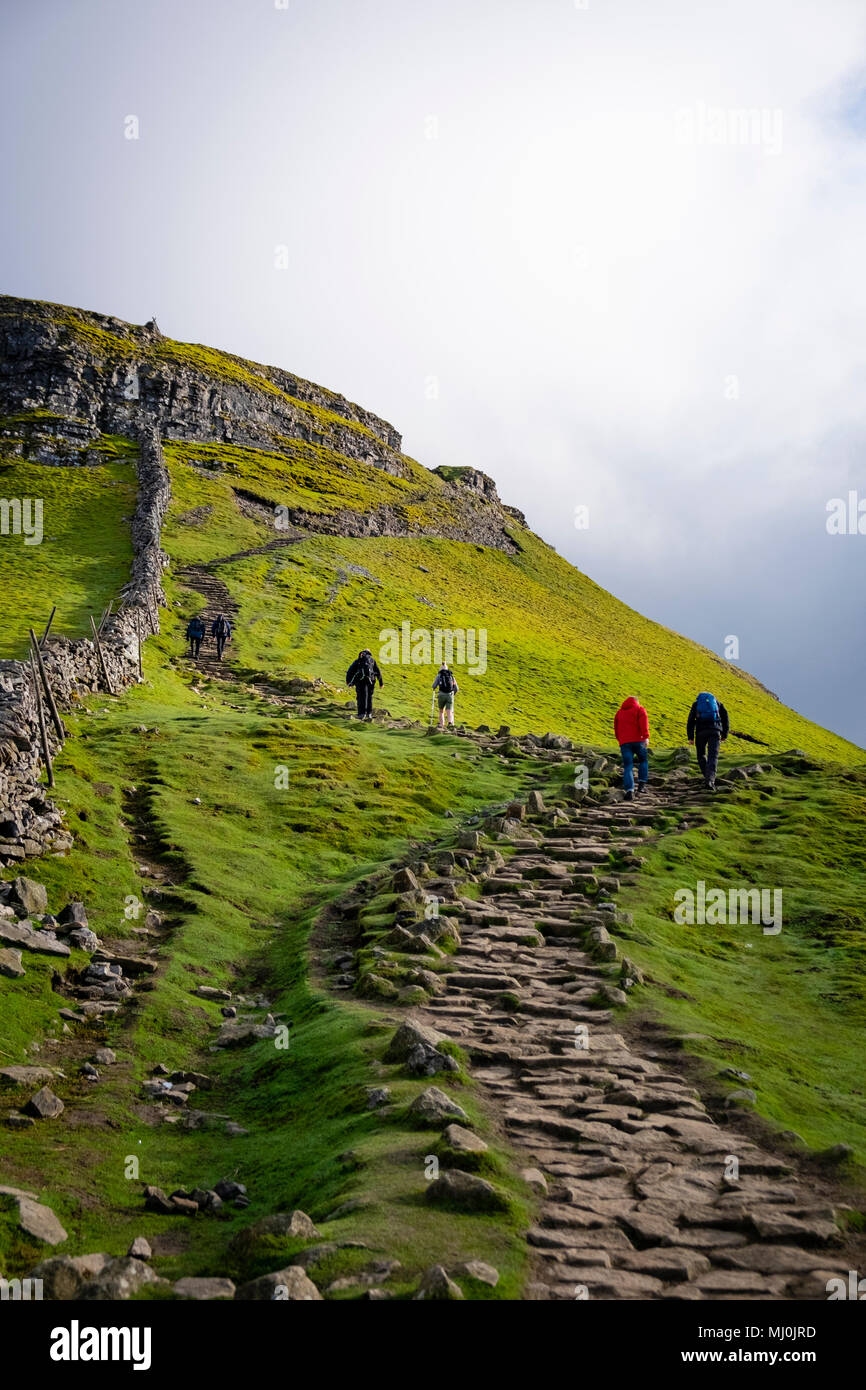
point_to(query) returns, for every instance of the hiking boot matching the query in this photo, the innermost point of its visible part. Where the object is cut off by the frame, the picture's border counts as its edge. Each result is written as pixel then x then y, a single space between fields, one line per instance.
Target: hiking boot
pixel 628 796
pixel 711 784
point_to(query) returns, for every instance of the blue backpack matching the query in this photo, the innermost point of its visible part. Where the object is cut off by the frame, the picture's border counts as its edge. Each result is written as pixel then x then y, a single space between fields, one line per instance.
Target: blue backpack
pixel 707 707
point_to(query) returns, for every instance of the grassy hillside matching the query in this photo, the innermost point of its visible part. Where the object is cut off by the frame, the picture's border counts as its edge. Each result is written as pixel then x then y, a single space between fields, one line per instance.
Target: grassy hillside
pixel 560 652
pixel 173 795
pixel 786 1010
pixel 83 559
pixel 239 919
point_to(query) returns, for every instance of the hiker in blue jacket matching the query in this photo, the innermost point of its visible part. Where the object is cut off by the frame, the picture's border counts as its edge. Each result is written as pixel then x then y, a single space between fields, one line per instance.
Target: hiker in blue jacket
pixel 221 631
pixel 195 635
pixel 707 728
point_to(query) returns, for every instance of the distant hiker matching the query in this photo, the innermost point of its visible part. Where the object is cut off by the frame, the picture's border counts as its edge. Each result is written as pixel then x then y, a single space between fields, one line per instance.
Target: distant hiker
pixel 631 727
pixel 707 727
pixel 195 634
pixel 221 629
pixel 363 674
pixel 448 688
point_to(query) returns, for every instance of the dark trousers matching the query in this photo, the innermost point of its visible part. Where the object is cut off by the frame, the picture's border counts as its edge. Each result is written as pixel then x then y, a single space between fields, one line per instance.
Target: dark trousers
pixel 220 641
pixel 707 748
pixel 364 696
pixel 195 645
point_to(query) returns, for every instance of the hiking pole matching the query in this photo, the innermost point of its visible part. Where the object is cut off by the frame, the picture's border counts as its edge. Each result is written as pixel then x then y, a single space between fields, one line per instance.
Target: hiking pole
pixel 432 706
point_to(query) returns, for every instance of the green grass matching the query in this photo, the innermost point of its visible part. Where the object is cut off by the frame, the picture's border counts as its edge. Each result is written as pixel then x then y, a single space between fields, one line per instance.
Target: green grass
pixel 257 866
pixel 561 653
pixel 788 1009
pixel 85 554
pixel 241 919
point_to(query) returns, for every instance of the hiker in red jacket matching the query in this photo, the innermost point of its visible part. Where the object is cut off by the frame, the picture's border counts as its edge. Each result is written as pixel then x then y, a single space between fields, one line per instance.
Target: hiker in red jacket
pixel 631 727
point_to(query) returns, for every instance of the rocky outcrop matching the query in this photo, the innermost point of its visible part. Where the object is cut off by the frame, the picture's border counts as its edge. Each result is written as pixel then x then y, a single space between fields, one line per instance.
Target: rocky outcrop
pixel 72 382
pixel 29 824
pixel 88 375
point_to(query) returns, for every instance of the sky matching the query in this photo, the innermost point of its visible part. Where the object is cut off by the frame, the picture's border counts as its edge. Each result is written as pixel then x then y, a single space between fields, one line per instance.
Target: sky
pixel 608 252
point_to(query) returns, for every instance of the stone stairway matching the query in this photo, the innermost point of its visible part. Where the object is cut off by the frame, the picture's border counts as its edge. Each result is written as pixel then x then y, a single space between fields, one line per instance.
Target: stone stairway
pixel 217 600
pixel 642 1194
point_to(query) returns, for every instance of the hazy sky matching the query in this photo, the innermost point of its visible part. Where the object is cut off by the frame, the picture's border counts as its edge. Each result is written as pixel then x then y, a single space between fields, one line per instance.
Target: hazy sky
pixel 535 235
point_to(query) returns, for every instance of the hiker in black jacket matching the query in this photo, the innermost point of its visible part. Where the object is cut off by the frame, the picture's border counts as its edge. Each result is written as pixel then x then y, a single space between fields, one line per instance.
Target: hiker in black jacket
pixel 707 728
pixel 363 674
pixel 195 635
pixel 448 688
pixel 221 630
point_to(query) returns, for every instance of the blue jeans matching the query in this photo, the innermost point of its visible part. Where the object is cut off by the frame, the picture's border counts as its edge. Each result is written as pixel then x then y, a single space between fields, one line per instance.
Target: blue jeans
pixel 630 751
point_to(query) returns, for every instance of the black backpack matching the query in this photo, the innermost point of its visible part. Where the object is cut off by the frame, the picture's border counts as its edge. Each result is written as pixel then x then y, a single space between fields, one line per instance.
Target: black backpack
pixel 366 668
pixel 447 683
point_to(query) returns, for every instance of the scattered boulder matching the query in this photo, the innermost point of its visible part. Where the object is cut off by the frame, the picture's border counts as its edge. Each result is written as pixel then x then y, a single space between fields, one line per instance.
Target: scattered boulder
pixel 64 1276
pixel 191 1287
pixel 156 1200
pixel 425 1060
pixel 480 1270
pixel 295 1224
pixel 84 939
pixel 10 963
pixel 377 1096
pixel 233 1034
pixel 34 1218
pixel 434 1108
pixel 25 935
pixel 24 1076
pixel 404 881
pixel 743 1096
pixel 377 987
pixel 459 1147
pixel 119 1279
pixel 140 1249
pixel 456 1188
pixel 290 1285
pixel 534 1178
pixel 30 897
pixel 435 1284
pixel 408 1036
pixel 44 1105
pixel 73 915
pixel 229 1190
pixel 837 1153
pixel 105 1057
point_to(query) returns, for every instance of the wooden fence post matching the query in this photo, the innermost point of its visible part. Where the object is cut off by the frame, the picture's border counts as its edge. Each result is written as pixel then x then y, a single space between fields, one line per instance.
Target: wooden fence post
pixel 49 697
pixel 43 732
pixel 101 657
pixel 44 638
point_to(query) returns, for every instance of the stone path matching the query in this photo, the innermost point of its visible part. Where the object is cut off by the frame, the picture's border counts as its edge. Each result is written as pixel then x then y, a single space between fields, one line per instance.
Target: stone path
pixel 217 600
pixel 639 1194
